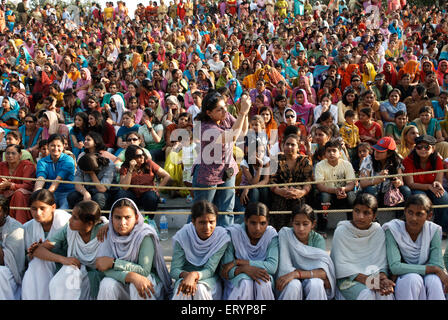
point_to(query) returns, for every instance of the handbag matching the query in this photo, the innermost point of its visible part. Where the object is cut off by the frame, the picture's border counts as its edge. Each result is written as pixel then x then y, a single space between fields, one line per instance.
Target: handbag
pixel 393 196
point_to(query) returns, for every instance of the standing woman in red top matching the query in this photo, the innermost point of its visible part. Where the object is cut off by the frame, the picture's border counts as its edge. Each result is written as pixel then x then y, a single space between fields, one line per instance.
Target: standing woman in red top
pixel 424 157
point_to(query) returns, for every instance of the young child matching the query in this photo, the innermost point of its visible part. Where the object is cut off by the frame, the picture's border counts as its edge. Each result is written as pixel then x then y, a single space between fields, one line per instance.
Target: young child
pixel 188 156
pixel 257 131
pixel 251 259
pixel 43 149
pixel 369 130
pixel 364 149
pixel 195 108
pixel 78 133
pixel 75 247
pixel 334 194
pixel 350 133
pixel 305 267
pixel 414 252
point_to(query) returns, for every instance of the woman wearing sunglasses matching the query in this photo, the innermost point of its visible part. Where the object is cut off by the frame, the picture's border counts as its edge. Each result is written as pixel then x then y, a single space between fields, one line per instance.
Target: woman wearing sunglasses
pixel 138 169
pixel 424 157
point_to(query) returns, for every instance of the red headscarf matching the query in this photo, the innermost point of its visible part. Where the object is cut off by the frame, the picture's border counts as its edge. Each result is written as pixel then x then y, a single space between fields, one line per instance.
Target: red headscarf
pixel 392 75
pixel 423 73
pixel 345 81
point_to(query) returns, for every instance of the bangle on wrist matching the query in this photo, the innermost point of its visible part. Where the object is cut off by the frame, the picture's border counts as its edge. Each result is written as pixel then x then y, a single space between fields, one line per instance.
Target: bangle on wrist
pixel 300 276
pixel 311 274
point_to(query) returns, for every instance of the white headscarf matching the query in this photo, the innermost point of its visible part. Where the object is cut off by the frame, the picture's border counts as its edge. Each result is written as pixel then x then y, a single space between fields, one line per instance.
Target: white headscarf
pixel 13 246
pixel 128 247
pixel 34 231
pixel 84 252
pixel 357 251
pixel 295 255
pixel 197 251
pixel 120 107
pixel 244 249
pixel 413 252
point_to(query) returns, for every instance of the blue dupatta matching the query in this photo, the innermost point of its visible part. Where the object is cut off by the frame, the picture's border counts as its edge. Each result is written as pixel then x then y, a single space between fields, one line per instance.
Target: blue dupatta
pixel 20 56
pixel 238 90
pixel 11 114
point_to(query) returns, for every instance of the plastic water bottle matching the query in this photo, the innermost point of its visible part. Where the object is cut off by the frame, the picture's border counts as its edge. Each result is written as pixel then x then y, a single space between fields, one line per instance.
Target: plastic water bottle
pixel 163 228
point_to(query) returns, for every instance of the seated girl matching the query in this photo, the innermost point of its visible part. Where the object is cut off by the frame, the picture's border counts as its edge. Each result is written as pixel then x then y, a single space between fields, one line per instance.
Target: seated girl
pixel 251 259
pixel 414 252
pixel 75 246
pixel 47 220
pixel 305 267
pixel 92 167
pixel 359 255
pixel 12 253
pixel 131 258
pixel 198 249
pixel 78 133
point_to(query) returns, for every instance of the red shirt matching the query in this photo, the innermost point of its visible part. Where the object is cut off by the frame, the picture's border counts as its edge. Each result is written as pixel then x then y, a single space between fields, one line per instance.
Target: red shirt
pixel 144 179
pixel 409 167
pixel 374 131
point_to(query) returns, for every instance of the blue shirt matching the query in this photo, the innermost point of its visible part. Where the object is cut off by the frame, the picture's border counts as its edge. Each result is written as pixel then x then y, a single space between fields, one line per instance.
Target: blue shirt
pixel 64 168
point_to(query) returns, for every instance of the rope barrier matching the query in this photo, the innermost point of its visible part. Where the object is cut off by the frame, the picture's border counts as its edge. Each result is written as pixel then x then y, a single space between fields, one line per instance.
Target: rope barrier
pixel 241 212
pixel 225 188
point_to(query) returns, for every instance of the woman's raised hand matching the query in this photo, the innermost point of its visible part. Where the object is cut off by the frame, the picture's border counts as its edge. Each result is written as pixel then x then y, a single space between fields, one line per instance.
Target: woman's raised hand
pixel 246 103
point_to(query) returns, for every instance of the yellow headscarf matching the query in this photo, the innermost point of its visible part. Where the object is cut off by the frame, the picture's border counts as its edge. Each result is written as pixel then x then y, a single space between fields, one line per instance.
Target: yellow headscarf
pixel 370 75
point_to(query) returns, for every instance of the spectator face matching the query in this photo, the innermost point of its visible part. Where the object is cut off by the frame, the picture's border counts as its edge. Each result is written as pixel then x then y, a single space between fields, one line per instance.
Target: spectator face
pixel 291 147
pixel 12 156
pixel 205 225
pixel 133 139
pixel 321 137
pixel 256 226
pixel 416 216
pixel 302 226
pixel 363 217
pixel 401 120
pixel 219 112
pixel 124 220
pixel 394 98
pixel 425 117
pixel 10 139
pixel 89 143
pixel 56 148
pixel 42 212
pixel 332 154
pixel 266 116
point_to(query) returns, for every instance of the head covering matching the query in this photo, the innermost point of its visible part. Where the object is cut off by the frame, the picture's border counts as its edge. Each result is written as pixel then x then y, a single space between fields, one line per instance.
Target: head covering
pixel 411 67
pixel 392 75
pixel 82 82
pixel 119 102
pixel 198 251
pixel 426 139
pixel 128 247
pixel 238 90
pixel 439 73
pixel 370 74
pixel 244 249
pixel 289 109
pixel 384 144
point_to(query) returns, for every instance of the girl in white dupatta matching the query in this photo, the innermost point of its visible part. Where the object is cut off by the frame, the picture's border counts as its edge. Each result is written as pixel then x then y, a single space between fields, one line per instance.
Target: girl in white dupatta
pixel 305 267
pixel 359 255
pixel 75 246
pixel 198 249
pixel 12 253
pixel 45 223
pixel 131 258
pixel 414 252
pixel 251 259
